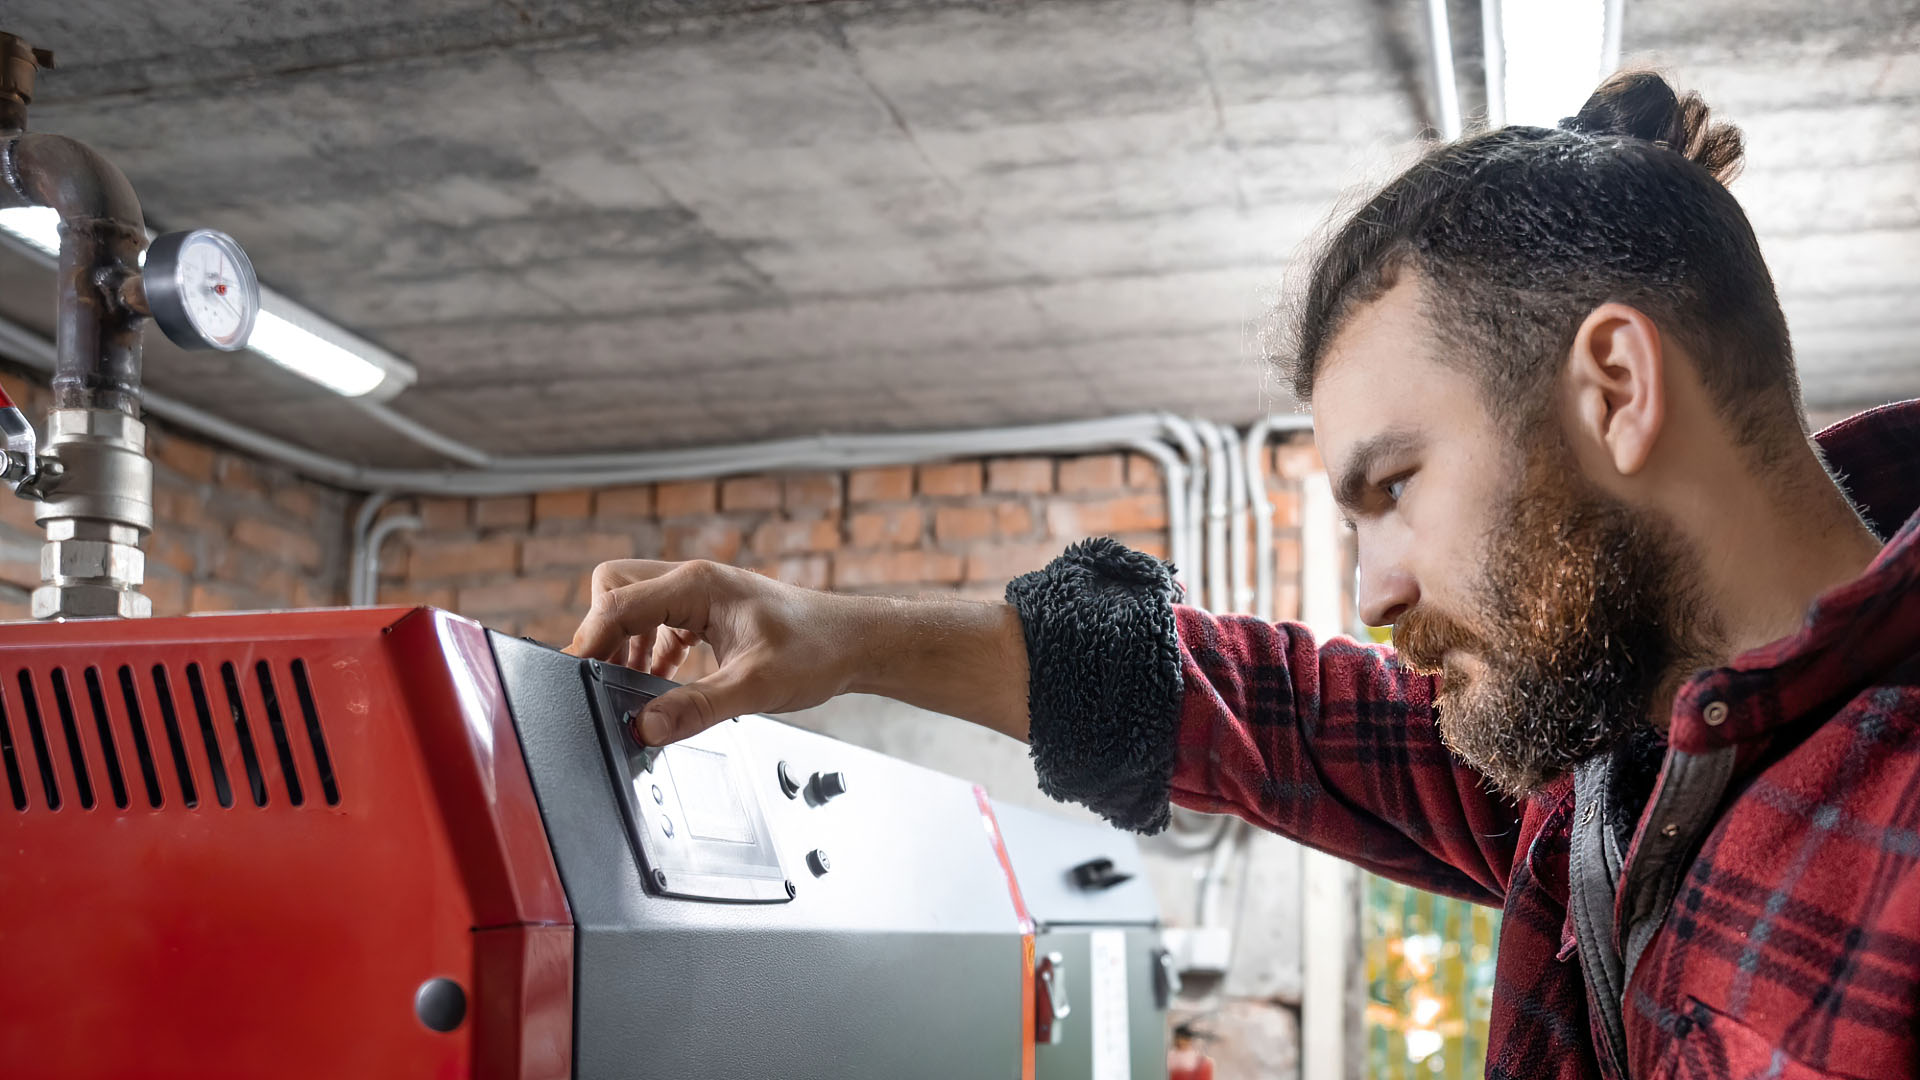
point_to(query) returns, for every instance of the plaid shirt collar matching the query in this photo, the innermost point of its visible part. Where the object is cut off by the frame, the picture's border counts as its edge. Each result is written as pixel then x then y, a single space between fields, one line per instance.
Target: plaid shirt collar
pixel 1853 631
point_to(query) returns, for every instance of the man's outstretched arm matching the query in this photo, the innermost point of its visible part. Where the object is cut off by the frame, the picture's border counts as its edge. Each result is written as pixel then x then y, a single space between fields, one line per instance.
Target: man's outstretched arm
pixel 1128 699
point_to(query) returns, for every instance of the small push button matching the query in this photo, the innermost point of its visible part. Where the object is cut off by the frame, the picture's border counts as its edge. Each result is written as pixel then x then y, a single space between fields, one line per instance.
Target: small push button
pixel 817 862
pixel 826 785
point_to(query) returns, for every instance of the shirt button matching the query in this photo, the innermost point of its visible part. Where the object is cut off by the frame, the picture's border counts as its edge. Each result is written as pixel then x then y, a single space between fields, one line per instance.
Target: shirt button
pixel 1715 713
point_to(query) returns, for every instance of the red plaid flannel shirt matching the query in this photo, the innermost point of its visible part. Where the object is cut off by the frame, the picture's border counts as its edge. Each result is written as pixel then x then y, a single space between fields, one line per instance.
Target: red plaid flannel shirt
pixel 1791 948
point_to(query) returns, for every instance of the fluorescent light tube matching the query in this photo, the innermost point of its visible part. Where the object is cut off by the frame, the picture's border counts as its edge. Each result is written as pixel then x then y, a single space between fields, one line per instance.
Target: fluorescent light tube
pixel 36 226
pixel 1556 53
pixel 285 332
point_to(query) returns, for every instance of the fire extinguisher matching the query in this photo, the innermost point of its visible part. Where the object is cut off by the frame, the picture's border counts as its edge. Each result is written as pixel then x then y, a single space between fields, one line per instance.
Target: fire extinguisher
pixel 1184 1059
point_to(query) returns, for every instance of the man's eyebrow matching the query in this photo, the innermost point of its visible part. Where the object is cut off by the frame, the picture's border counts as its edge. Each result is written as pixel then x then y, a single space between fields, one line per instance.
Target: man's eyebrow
pixel 1351 484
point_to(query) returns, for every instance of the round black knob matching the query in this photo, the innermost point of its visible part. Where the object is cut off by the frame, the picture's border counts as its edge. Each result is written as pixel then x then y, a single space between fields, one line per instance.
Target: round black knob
pixel 817 862
pixel 788 784
pixel 440 1004
pixel 827 785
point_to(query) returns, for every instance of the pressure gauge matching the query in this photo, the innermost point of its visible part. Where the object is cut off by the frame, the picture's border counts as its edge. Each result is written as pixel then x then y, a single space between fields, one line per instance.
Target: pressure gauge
pixel 201 290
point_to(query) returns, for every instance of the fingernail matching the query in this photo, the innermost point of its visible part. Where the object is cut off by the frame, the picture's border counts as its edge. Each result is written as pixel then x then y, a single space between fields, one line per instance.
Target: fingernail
pixel 654 727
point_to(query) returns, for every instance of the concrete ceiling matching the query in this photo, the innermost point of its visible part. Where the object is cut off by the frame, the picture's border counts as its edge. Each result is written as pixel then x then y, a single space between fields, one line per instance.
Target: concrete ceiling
pixel 595 225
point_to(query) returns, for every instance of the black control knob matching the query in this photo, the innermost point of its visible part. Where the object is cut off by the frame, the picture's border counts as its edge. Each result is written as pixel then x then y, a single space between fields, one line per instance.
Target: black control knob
pixel 826 785
pixel 817 862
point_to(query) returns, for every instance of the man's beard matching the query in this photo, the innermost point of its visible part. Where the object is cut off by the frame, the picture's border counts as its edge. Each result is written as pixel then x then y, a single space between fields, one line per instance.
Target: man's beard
pixel 1592 618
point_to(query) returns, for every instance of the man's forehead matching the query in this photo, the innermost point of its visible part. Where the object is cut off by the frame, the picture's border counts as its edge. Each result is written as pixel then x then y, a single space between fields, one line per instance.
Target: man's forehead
pixel 1379 375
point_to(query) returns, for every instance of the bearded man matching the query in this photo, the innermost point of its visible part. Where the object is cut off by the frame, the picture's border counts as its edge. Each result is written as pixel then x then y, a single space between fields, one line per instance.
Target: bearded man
pixel 1655 684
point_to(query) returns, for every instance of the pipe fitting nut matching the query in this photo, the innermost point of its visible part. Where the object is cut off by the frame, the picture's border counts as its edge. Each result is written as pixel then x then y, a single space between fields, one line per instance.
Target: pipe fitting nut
pixel 89 602
pixel 64 561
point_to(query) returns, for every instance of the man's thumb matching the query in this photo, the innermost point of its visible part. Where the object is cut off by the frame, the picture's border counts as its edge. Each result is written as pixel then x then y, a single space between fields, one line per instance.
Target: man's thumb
pixel 688 710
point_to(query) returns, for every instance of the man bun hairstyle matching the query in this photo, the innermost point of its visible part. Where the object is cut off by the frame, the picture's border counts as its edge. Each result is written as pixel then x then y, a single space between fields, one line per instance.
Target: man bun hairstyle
pixel 1515 235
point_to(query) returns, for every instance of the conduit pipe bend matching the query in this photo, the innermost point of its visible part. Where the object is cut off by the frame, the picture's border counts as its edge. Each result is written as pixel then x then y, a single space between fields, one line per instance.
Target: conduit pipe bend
pixel 1173 472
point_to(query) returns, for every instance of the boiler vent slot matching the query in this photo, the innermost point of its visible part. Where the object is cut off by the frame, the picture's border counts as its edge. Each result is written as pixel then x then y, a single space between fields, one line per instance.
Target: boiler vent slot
pixel 25 730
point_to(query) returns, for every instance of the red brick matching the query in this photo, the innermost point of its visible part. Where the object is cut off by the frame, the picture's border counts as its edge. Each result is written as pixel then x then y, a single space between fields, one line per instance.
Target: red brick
pixel 556 629
pixel 1013 519
pixel 582 551
pixel 1154 544
pixel 898 527
pixel 312 594
pixel 1286 554
pixel 238 475
pixel 1004 562
pixel 1286 600
pixel 1098 472
pixel 446 515
pixel 503 512
pixel 809 494
pixel 17 606
pixel 1297 458
pixel 168 592
pixel 275 585
pixel 750 493
pixel 685 498
pixel 716 540
pixel 188 458
pixel 1028 475
pixel 409 595
pixel 895 568
pixel 536 596
pixel 18 512
pixel 218 596
pixel 959 478
pixel 893 483
pixel 171 507
pixel 171 548
pixel 438 560
pixel 24 572
pixel 285 544
pixel 806 571
pixel 1286 505
pixel 958 524
pixel 624 502
pixel 1128 513
pixel 296 499
pixel 557 506
pixel 796 537
pixel 1143 473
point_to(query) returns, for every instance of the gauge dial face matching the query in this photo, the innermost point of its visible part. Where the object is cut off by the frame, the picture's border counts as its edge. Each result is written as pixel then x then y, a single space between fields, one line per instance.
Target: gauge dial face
pixel 213 296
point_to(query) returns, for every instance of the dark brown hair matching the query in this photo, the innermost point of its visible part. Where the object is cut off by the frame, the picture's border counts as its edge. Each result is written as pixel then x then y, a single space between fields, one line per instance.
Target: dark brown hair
pixel 1516 234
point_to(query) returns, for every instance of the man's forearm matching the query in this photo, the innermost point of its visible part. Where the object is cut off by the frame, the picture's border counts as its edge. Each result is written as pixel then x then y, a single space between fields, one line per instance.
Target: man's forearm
pixel 956 657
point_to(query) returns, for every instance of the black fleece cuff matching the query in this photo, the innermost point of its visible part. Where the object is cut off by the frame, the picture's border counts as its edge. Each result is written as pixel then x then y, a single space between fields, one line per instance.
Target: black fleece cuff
pixel 1103 695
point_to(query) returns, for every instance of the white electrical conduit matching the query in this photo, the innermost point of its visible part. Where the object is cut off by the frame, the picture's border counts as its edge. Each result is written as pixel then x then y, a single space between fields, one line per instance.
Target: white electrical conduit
pixel 1174 472
pixel 1446 90
pixel 1264 557
pixel 364 589
pixel 1182 432
pixel 832 452
pixel 1219 594
pixel 1237 570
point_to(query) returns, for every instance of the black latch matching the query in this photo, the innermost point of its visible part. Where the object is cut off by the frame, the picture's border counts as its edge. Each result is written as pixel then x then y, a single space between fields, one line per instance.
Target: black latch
pixel 1098 874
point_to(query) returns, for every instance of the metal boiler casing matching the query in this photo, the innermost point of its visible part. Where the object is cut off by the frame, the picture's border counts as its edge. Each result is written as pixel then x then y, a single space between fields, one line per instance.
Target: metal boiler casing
pixel 1102 932
pixel 282 844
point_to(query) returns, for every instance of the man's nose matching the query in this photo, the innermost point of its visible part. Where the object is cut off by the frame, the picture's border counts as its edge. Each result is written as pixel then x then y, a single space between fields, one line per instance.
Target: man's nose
pixel 1386 592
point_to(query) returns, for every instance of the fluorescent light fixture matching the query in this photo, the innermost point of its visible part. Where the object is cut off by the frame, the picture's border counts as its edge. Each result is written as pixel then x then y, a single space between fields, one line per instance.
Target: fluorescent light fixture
pixel 1554 53
pixel 285 333
pixel 36 226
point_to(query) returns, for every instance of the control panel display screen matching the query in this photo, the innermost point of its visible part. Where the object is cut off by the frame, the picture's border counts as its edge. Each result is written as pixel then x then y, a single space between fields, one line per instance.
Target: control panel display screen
pixel 712 807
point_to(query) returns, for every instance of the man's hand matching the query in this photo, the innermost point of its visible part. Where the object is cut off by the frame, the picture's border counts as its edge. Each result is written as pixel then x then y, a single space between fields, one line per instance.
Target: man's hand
pixel 781 647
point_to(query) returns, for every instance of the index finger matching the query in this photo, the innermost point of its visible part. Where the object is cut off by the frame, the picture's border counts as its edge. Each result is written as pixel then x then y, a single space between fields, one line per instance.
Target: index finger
pixel 662 594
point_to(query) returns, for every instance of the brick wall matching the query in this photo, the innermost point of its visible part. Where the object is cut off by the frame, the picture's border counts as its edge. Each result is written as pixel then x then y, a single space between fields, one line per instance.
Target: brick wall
pixel 961 528
pixel 229 533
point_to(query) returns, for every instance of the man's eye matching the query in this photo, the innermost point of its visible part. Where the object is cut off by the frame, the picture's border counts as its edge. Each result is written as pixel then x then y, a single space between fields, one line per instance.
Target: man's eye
pixel 1395 488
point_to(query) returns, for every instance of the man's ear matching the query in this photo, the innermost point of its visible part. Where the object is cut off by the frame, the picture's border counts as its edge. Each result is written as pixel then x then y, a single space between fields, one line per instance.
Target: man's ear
pixel 1616 381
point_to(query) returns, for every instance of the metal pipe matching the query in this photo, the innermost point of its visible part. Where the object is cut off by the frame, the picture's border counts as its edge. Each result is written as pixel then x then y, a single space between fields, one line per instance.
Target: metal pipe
pixel 1219 590
pixel 364 589
pixel 1184 433
pixel 1174 472
pixel 1237 567
pixel 96 485
pixel 363 519
pixel 1493 48
pixel 1446 89
pixel 1610 39
pixel 1263 553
